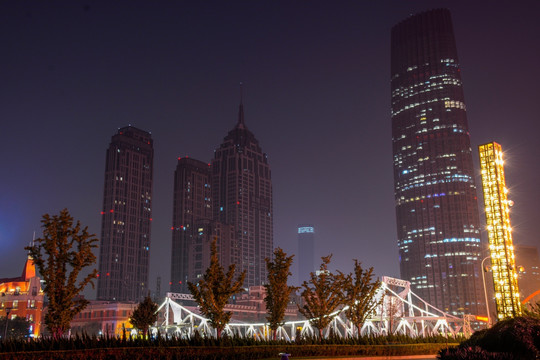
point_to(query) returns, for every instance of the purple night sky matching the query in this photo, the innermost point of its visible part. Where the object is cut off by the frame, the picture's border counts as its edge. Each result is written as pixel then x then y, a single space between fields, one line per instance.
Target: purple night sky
pixel 316 96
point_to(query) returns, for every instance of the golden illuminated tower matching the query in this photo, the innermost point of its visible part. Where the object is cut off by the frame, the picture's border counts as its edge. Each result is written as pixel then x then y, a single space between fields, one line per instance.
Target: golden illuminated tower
pixel 499 231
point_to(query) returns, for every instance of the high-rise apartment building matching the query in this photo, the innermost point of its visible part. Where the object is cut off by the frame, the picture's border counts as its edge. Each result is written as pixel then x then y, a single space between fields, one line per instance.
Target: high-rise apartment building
pixel 242 197
pixel 306 240
pixel 192 203
pixel 438 223
pixel 124 251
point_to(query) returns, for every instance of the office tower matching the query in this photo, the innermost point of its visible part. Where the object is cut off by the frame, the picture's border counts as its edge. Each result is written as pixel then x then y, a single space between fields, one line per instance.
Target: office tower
pixel 306 240
pixel 192 203
pixel 528 265
pixel 501 247
pixel 199 253
pixel 242 197
pixel 124 250
pixel 438 224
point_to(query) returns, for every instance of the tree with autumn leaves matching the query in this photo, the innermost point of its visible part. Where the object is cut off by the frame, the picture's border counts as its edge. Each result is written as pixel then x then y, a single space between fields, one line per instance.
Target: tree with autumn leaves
pixel 359 294
pixel 278 292
pixel 60 255
pixel 214 290
pixel 327 294
pixel 322 296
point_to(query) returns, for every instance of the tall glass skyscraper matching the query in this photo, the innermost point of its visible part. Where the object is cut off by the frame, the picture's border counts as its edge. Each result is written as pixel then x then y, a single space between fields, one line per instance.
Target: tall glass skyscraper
pixel 124 250
pixel 438 223
pixel 242 197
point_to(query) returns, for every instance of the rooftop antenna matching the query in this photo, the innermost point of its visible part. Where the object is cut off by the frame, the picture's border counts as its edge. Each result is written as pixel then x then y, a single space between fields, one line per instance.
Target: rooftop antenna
pixel 241 110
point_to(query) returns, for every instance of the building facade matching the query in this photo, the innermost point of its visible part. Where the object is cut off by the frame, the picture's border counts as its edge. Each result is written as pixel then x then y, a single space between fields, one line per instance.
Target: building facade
pixel 501 246
pixel 242 197
pixel 438 225
pixel 23 297
pixel 126 217
pixel 528 264
pixel 306 246
pixel 104 318
pixel 191 204
pixel 199 252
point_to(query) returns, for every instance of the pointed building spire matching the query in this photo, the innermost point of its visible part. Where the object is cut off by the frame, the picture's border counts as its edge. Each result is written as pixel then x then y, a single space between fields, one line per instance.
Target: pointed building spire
pixel 241 123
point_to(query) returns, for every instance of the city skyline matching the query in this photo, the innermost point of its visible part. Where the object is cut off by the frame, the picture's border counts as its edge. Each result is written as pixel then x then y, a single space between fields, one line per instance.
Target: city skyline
pixel 316 95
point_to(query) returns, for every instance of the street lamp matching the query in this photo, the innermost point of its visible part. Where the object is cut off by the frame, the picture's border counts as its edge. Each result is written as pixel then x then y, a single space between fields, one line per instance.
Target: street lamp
pixel 8 310
pixel 485 290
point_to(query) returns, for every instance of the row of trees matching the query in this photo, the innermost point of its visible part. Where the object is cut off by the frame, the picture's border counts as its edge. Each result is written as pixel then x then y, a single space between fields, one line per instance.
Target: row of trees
pixel 324 296
pixel 66 248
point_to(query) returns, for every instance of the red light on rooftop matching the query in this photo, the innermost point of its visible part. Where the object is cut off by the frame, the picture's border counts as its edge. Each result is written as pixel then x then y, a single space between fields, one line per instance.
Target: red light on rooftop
pixel 180 282
pixel 97 275
pixel 170 282
pixel 103 212
pixel 112 210
pixel 179 158
pixel 108 274
pixel 172 227
pixel 150 219
pixel 238 203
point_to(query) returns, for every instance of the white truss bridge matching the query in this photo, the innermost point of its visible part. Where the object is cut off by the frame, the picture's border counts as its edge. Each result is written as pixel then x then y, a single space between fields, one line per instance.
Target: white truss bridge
pixel 401 312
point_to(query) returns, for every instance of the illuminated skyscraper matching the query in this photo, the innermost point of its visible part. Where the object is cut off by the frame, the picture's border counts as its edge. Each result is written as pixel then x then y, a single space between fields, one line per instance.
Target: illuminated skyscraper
pixel 436 205
pixel 191 204
pixel 242 197
pixel 501 248
pixel 306 239
pixel 124 250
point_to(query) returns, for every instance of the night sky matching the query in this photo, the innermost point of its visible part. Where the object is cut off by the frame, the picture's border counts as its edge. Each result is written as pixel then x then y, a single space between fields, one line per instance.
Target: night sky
pixel 316 95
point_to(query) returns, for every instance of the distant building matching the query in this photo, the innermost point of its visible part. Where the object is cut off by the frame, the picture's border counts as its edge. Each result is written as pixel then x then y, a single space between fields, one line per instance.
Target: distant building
pixel 438 226
pixel 191 203
pixel 242 197
pixel 102 317
pixel 306 240
pixel 528 262
pixel 23 297
pixel 124 250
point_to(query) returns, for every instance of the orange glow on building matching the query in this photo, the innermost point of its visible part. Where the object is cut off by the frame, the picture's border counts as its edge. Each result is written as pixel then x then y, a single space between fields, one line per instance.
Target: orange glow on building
pixel 499 231
pixel 24 297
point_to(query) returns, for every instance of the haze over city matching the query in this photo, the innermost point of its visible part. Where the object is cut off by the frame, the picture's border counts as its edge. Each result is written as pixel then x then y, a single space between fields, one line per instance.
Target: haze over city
pixel 316 95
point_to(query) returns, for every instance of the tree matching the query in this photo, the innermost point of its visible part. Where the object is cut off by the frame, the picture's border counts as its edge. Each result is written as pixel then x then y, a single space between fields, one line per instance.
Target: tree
pixel 360 290
pixel 144 315
pixel 17 328
pixel 60 256
pixel 322 296
pixel 213 291
pixel 278 292
pixel 532 310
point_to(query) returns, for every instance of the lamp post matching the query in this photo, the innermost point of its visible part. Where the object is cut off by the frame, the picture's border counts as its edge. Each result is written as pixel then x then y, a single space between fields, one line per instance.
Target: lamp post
pixel 485 290
pixel 8 310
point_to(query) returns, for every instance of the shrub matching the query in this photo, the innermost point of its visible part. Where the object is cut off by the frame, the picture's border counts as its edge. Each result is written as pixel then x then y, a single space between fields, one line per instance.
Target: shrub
pixel 517 338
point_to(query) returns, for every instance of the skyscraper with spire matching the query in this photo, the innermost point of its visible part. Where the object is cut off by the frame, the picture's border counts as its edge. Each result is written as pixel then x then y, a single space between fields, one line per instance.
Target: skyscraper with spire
pixel 242 197
pixel 124 250
pixel 438 224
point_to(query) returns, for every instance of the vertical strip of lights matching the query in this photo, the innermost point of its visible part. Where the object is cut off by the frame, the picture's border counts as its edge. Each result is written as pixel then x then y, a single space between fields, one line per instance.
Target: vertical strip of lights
pixel 499 231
